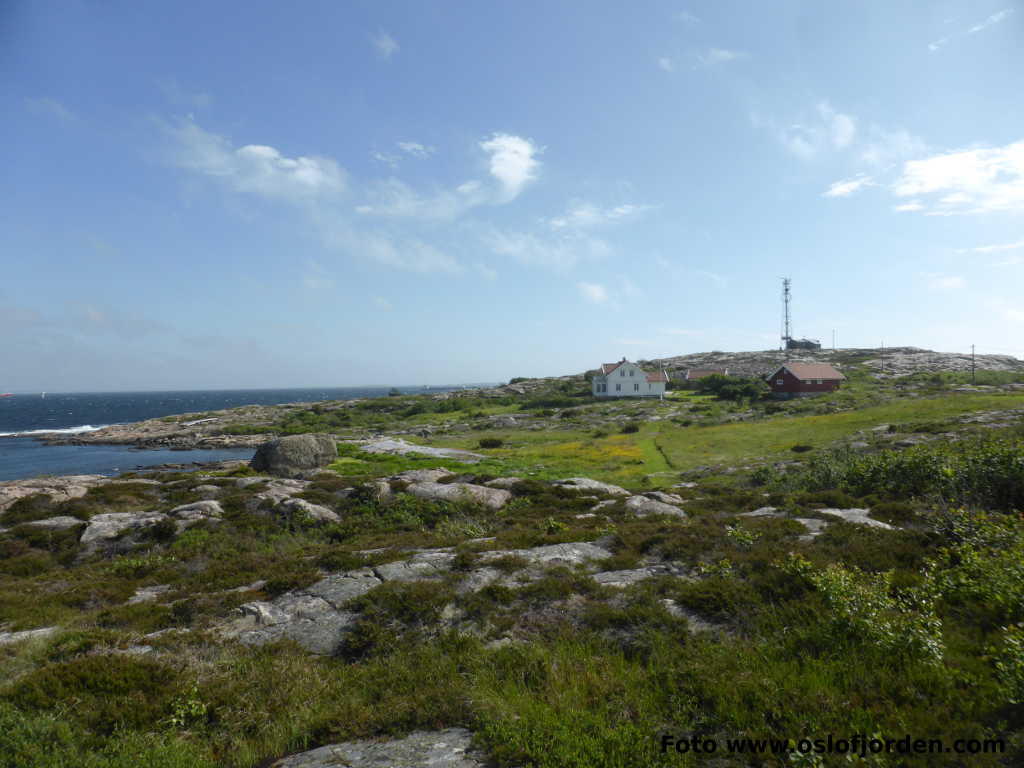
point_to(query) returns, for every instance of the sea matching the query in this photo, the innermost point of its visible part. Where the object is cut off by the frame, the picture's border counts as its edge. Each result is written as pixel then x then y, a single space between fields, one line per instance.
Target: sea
pixel 25 415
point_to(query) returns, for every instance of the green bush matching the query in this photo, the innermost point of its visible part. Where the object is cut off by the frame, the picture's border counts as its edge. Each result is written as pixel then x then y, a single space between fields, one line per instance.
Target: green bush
pixel 736 388
pixel 491 442
pixel 105 691
pixel 630 428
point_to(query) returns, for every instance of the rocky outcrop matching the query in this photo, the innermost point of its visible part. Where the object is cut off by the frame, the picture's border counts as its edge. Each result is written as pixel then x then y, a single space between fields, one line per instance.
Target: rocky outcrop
pixel 401 448
pixel 9 638
pixel 317 618
pixel 59 523
pixel 492 498
pixel 105 531
pixel 294 455
pixel 585 484
pixel 300 508
pixel 450 748
pixel 856 516
pixel 57 488
pixel 641 506
pixel 189 514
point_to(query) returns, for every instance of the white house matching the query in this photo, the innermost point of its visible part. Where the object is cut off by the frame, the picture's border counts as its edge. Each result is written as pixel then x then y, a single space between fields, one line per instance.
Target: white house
pixel 626 379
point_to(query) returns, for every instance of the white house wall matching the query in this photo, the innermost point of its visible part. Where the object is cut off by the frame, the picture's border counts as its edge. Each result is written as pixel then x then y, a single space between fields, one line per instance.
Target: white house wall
pixel 621 376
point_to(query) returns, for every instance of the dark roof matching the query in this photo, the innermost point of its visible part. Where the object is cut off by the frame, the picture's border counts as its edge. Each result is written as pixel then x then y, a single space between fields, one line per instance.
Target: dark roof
pixel 812 371
pixel 607 368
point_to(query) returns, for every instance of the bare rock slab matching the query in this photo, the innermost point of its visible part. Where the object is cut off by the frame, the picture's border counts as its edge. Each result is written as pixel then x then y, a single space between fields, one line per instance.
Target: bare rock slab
pixel 492 498
pixel 450 748
pixel 9 638
pixel 641 506
pixel 586 484
pixel 104 529
pixel 401 448
pixel 857 516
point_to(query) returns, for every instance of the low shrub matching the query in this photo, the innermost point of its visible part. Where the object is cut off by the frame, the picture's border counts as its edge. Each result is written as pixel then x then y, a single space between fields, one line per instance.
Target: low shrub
pixel 491 442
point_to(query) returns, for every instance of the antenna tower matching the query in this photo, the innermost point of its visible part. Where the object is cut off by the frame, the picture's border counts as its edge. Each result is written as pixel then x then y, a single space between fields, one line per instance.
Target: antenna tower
pixel 786 331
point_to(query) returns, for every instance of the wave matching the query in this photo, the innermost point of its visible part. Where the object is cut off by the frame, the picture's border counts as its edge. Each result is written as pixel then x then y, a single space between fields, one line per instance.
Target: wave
pixel 66 431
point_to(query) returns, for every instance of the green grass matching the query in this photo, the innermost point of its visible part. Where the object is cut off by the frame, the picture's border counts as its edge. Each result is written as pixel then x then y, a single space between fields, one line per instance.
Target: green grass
pixel 815 637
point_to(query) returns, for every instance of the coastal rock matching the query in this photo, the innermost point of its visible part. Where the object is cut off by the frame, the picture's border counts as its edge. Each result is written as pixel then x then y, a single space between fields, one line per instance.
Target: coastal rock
pixel 208 491
pixel 402 448
pixel 492 498
pixel 423 565
pixel 450 748
pixel 9 638
pixel 147 594
pixel 665 498
pixel 641 506
pixel 570 554
pixel 313 512
pixel 857 516
pixel 586 484
pixel 422 475
pixel 503 482
pixel 57 488
pixel 629 577
pixel 190 514
pixel 105 530
pixel 59 523
pixel 294 455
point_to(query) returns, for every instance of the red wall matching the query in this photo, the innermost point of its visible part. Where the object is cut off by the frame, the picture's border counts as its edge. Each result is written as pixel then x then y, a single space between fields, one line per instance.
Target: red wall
pixel 791 383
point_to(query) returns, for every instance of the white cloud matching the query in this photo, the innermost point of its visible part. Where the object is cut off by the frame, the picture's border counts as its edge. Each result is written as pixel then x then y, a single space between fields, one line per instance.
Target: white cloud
pixel 381 303
pixel 913 205
pixel 714 56
pixel 513 162
pixel 847 187
pixel 685 17
pixel 593 292
pixel 828 129
pixel 937 44
pixel 998 248
pixel 560 251
pixel 387 159
pixel 255 168
pixel 995 18
pixel 665 63
pixel 583 215
pixel 385 44
pixel 406 253
pixel 416 149
pixel 883 148
pixel 180 97
pixel 841 128
pixel 940 282
pixel 394 198
pixel 967 181
pixel 50 108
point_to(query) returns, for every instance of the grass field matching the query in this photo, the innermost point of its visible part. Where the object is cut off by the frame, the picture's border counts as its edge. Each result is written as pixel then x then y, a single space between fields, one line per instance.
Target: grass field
pixel 664 446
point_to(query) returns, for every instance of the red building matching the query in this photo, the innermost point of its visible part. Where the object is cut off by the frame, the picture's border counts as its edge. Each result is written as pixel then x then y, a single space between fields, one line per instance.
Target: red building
pixel 804 379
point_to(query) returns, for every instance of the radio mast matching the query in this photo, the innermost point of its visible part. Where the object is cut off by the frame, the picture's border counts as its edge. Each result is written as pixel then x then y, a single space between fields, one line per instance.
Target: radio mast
pixel 786 330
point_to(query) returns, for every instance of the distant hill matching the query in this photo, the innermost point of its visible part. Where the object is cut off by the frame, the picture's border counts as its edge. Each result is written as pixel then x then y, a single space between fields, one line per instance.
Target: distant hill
pixel 891 361
pixel 897 361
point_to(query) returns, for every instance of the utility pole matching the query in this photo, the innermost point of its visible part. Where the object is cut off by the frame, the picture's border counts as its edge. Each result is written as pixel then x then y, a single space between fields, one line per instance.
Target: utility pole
pixel 972 364
pixel 786 332
pixel 883 357
pixel 833 339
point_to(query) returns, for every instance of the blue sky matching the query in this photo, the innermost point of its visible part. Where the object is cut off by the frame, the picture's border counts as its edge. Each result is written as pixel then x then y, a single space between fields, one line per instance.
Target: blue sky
pixel 208 195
